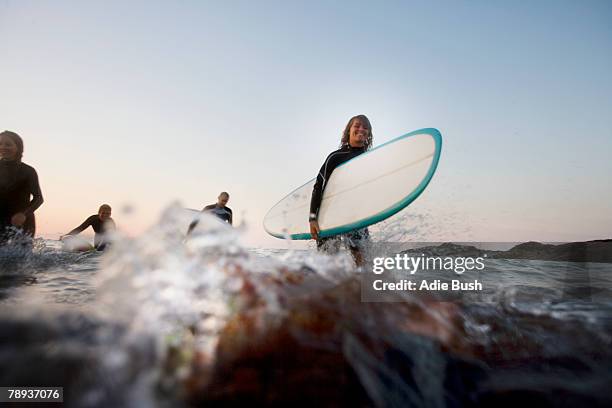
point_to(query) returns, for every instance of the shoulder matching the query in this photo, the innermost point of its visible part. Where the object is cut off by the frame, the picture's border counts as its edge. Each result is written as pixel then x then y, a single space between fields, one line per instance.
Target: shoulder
pixel 26 168
pixel 336 155
pixel 341 152
pixel 92 218
pixel 209 207
pixel 337 152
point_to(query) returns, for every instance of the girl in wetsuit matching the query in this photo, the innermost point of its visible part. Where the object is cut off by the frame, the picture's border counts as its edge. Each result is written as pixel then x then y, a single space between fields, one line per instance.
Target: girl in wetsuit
pixel 20 193
pixel 356 139
pixel 102 224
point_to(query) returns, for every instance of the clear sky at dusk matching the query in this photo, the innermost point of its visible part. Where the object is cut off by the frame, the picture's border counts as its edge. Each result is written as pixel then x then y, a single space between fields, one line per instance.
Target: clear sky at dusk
pixel 143 103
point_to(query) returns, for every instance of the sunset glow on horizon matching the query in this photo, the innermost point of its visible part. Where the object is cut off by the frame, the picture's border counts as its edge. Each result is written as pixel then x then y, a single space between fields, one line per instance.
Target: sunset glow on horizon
pixel 141 105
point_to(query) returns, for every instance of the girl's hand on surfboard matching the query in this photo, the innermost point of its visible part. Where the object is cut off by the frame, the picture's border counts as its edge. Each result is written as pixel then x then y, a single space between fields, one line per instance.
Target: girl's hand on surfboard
pixel 18 219
pixel 314 229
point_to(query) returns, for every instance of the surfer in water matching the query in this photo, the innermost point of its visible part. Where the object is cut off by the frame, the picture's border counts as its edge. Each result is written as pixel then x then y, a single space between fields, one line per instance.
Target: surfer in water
pixel 356 139
pixel 101 223
pixel 219 209
pixel 20 193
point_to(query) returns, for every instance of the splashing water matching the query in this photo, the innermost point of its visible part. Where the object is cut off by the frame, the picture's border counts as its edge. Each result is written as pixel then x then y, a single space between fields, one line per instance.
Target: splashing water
pixel 421 225
pixel 204 320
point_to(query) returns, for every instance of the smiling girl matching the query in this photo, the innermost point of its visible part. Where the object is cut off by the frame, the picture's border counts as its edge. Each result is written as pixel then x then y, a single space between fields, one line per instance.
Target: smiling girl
pixel 20 193
pixel 356 139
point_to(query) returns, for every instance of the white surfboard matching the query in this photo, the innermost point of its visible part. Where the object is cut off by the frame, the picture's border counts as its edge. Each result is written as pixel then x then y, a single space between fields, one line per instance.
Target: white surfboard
pixel 363 191
pixel 75 243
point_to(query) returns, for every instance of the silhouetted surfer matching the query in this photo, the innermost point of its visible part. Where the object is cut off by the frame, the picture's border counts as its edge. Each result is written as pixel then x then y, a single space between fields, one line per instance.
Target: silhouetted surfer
pixel 18 182
pixel 101 223
pixel 356 139
pixel 219 209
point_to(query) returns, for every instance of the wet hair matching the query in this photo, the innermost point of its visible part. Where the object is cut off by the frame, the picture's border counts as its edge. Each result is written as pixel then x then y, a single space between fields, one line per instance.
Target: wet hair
pixel 15 138
pixel 347 131
pixel 104 207
pixel 224 193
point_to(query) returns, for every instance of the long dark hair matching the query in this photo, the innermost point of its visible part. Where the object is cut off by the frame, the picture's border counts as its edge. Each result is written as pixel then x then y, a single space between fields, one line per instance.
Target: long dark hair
pixel 15 138
pixel 347 130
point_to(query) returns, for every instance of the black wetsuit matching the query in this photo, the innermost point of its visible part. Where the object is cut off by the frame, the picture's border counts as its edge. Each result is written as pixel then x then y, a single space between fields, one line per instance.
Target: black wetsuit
pixel 223 213
pixel 18 182
pixel 336 158
pixel 99 228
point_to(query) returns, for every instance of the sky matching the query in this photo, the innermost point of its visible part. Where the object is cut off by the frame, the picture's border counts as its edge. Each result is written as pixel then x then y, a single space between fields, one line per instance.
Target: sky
pixel 141 104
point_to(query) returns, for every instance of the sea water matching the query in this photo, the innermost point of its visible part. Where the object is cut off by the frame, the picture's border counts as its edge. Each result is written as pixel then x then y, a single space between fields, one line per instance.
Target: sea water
pixel 161 320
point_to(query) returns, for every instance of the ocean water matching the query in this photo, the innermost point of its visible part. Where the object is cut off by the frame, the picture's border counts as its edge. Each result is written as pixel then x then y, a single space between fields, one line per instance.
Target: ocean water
pixel 163 321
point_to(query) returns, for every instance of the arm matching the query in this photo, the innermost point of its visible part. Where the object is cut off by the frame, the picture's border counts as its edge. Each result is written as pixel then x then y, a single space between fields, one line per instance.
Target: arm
pixel 193 224
pixel 37 198
pixel 231 217
pixel 317 191
pixel 81 227
pixel 19 218
pixel 317 196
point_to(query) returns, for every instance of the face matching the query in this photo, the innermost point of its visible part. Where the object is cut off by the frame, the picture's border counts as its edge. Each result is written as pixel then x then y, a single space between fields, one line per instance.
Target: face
pixel 104 214
pixel 8 148
pixel 358 133
pixel 223 199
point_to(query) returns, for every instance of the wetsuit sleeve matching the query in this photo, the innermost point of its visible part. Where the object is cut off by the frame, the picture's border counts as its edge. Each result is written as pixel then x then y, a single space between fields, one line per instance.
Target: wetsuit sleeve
pixel 83 226
pixel 193 224
pixel 37 198
pixel 231 217
pixel 319 188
